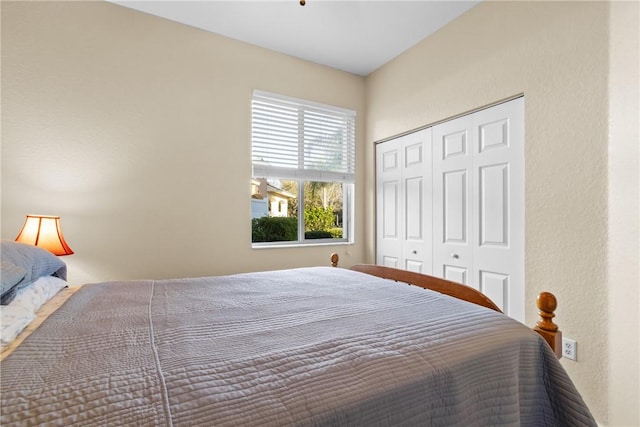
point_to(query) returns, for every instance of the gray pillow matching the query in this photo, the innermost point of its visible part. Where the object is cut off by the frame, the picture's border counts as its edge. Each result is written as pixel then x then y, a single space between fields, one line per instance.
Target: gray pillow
pixel 34 261
pixel 10 275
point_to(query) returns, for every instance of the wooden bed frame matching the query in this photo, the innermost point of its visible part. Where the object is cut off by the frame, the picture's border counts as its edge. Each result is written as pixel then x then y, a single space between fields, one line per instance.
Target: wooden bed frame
pixel 546 301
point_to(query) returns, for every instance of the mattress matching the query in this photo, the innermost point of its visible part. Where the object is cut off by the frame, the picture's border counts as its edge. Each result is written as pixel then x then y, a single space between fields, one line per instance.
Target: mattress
pixel 311 346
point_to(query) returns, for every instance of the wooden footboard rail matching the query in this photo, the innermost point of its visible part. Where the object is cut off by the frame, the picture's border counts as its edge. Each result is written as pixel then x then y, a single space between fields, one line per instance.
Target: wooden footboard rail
pixel 546 301
pixel 446 287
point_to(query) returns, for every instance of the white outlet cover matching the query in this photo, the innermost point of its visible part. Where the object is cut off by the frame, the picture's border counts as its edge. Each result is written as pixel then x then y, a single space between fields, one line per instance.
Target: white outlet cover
pixel 569 349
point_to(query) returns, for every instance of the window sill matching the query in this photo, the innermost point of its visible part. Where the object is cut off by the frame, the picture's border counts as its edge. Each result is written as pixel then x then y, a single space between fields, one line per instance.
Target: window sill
pixel 298 244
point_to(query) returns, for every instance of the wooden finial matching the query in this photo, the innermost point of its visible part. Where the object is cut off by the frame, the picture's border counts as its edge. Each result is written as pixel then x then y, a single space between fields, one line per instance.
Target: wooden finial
pixel 334 259
pixel 547 304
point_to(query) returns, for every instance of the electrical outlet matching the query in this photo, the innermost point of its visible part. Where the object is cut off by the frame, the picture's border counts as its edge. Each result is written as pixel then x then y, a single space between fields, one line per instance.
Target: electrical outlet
pixel 569 349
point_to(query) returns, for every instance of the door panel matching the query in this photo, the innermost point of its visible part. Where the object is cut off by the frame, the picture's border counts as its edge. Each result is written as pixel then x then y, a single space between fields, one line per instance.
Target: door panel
pixel 390 198
pixel 403 202
pixel 454 217
pixel 414 213
pixel 389 261
pixel 414 153
pixel 493 135
pixel 498 244
pixel 496 287
pixel 415 266
pixel 390 160
pixel 389 226
pixel 493 221
pixel 454 144
pixel 416 203
pixel 455 273
pixel 452 181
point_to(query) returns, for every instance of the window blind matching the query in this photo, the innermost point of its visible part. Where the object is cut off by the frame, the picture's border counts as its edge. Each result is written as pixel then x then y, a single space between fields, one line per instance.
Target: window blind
pixel 298 139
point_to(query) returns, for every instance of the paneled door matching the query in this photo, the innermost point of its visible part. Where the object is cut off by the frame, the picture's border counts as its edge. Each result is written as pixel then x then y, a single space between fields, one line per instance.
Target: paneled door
pixel 478 203
pixel 389 195
pixel 403 199
pixel 452 200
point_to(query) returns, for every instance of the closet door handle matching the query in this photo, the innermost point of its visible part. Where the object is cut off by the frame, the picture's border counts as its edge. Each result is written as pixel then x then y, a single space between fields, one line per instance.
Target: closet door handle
pixel 455 256
pixel 414 252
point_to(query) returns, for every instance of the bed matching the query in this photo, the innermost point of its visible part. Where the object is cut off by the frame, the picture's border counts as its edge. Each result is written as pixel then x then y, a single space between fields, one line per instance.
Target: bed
pixel 308 346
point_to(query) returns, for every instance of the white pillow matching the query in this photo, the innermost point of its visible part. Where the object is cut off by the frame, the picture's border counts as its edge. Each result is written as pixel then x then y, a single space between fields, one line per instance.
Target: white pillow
pixel 13 319
pixel 16 315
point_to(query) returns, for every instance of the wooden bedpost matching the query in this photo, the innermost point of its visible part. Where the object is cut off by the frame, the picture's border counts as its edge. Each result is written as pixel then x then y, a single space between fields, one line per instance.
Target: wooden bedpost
pixel 547 304
pixel 334 259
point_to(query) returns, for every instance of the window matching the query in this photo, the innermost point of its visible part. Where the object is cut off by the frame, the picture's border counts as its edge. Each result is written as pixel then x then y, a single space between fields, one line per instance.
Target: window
pixel 303 156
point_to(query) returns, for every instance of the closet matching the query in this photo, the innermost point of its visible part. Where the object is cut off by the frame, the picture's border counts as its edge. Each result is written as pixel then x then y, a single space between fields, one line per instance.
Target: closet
pixel 450 202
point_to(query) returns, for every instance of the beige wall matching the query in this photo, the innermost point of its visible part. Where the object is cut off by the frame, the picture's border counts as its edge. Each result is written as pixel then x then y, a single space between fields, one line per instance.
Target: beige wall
pixel 556 54
pixel 624 215
pixel 127 126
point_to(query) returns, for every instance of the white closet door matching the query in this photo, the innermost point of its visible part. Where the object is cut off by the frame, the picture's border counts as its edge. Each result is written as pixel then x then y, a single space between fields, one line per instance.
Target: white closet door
pixel 389 227
pixel 498 202
pixel 403 203
pixel 416 202
pixel 479 203
pixel 452 198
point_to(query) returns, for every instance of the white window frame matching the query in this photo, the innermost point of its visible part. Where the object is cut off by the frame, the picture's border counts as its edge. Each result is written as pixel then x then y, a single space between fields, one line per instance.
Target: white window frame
pixel 286 166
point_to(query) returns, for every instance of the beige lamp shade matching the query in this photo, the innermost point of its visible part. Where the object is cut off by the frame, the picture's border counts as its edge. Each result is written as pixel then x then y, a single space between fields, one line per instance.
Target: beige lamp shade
pixel 44 231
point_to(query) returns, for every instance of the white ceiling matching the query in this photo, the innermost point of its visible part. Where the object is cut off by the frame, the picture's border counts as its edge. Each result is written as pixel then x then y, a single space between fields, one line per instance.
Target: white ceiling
pixel 356 36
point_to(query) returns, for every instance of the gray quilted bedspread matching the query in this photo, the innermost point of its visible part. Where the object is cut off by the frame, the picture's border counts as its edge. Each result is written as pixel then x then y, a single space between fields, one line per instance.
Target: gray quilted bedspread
pixel 313 346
